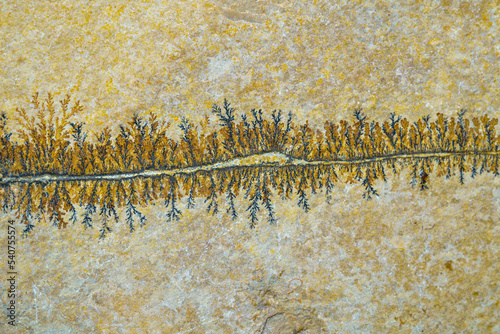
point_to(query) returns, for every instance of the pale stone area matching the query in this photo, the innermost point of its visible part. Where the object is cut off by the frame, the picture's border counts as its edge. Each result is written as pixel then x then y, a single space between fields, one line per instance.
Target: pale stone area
pixel 320 59
pixel 408 261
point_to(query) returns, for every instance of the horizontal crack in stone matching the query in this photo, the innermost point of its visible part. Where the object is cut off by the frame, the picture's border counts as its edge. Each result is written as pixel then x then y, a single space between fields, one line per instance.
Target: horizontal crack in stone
pixel 275 159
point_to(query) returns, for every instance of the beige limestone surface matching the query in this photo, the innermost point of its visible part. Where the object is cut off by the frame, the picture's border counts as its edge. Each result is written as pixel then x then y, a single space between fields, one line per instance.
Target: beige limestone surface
pixel 320 59
pixel 408 261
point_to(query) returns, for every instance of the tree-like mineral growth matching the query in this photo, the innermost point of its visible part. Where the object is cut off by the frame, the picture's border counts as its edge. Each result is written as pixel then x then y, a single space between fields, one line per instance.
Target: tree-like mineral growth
pixel 54 166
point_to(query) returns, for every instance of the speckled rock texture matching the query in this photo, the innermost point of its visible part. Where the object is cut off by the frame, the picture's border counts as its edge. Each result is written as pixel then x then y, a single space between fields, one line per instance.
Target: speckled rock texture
pixel 407 261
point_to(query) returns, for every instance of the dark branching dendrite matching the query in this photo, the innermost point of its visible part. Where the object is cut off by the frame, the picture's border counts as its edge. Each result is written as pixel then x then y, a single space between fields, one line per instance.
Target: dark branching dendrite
pixel 367 183
pixel 253 208
pixel 131 210
pixel 53 204
pixel 140 127
pixel 173 212
pixel 266 200
pixel 213 206
pixel 103 197
pixel 329 184
pixel 80 137
pixel 230 197
pixel 424 174
pixel 26 201
pixel 52 145
pixel 90 207
pixel 303 202
pixel 360 123
pixel 185 126
pixel 193 180
pixel 107 211
pixel 226 118
pixel 391 131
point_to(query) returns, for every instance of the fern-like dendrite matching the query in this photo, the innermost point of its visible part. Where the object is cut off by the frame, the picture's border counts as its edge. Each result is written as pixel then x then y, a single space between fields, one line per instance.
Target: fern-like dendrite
pixel 56 169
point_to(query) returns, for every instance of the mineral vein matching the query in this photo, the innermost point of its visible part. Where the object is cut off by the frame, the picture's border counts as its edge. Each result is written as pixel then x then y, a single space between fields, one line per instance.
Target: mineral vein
pixel 275 159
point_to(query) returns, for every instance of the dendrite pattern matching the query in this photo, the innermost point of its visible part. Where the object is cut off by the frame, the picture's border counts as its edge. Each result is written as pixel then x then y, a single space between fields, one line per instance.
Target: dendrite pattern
pixel 58 171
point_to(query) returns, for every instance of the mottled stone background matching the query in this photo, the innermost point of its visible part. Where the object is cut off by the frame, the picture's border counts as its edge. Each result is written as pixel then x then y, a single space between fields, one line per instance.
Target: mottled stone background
pixel 320 59
pixel 408 261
